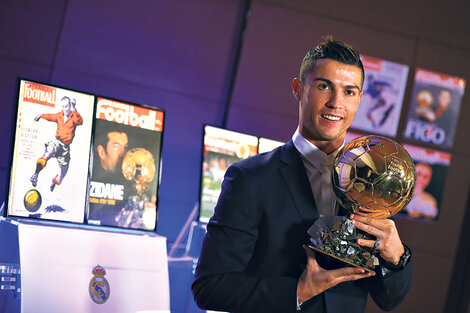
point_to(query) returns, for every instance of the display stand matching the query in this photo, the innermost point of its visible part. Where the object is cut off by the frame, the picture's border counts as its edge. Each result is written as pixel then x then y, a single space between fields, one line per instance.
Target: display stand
pixel 183 256
pixel 47 267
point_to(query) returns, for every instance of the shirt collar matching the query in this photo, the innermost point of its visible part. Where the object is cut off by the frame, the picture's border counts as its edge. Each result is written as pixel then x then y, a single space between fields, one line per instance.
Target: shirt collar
pixel 312 153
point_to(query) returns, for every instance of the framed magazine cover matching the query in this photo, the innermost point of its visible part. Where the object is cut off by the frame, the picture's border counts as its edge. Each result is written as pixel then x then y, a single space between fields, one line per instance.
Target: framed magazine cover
pixel 431 174
pixel 266 144
pixel 49 168
pixel 125 167
pixel 435 105
pixel 384 88
pixel 221 148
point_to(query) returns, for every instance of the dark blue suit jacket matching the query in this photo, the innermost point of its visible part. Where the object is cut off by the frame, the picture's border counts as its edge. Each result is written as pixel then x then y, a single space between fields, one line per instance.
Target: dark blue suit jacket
pixel 252 254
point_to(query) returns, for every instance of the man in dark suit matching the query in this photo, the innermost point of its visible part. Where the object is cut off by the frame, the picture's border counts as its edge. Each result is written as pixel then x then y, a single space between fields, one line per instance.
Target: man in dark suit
pixel 254 257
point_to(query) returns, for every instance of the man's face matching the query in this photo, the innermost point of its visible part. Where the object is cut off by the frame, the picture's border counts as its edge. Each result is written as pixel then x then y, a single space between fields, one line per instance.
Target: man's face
pixel 115 149
pixel 328 101
pixel 65 106
pixel 423 176
pixel 444 99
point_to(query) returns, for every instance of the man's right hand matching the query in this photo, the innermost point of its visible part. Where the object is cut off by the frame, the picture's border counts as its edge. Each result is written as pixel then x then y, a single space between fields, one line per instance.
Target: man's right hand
pixel 314 280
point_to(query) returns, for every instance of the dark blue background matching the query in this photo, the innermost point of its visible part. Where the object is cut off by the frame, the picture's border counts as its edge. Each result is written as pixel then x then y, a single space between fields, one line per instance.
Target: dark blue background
pixel 181 56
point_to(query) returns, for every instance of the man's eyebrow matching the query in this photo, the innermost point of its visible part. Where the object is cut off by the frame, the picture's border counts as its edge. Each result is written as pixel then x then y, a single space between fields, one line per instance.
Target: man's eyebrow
pixel 329 82
pixel 324 80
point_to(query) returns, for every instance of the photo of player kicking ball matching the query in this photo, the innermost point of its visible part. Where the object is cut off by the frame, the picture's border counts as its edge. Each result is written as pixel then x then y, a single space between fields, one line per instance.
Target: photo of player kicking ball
pixel 59 147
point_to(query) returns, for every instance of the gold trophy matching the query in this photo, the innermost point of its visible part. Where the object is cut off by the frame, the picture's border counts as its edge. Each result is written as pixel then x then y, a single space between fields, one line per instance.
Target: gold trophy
pixel 138 166
pixel 372 176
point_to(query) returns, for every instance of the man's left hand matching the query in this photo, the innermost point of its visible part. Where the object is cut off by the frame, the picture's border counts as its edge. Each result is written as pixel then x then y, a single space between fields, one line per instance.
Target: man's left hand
pixel 391 248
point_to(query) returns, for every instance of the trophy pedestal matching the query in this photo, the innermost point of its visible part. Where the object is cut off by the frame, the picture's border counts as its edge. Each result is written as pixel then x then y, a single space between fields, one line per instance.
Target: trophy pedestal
pixel 337 237
pixel 50 267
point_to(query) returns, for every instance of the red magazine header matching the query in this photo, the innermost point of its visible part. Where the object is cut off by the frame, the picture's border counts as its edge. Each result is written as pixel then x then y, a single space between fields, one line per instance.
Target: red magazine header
pixel 441 80
pixel 428 156
pixel 371 64
pixel 40 94
pixel 129 114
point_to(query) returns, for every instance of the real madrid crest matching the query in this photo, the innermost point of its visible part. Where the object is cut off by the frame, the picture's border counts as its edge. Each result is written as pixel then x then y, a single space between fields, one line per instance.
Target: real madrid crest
pixel 99 286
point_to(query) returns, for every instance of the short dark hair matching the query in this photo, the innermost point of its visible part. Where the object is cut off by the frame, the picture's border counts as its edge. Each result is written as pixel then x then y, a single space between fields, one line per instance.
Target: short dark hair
pixel 66 98
pixel 102 137
pixel 330 49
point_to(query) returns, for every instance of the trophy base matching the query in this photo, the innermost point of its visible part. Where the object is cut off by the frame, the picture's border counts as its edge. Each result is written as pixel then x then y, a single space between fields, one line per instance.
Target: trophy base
pixel 367 269
pixel 336 237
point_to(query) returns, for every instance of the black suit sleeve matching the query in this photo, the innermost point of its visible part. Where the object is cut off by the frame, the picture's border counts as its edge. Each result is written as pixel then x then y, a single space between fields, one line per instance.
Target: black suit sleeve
pixel 389 290
pixel 223 280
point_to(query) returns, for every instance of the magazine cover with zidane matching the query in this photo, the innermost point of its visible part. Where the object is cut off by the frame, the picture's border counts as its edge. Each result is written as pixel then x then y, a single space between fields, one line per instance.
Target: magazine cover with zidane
pixel 125 167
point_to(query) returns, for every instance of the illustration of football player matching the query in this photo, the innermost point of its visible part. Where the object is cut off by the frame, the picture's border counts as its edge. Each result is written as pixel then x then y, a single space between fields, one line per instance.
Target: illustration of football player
pixel 67 121
pixel 380 97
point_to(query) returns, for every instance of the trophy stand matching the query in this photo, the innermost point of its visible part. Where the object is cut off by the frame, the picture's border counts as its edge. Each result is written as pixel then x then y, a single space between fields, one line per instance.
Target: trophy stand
pixel 337 237
pixel 133 212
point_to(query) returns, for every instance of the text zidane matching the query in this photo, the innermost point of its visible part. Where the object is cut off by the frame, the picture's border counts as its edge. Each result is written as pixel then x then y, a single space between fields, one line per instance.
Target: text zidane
pixel 109 191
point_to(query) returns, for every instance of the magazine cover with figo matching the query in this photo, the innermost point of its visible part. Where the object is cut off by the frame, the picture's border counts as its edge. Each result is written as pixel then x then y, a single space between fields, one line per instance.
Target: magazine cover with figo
pixel 125 169
pixel 435 105
pixel 51 151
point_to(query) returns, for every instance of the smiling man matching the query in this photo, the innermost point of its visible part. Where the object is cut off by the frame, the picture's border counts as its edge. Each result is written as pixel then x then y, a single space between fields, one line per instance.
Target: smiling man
pixel 328 99
pixel 254 257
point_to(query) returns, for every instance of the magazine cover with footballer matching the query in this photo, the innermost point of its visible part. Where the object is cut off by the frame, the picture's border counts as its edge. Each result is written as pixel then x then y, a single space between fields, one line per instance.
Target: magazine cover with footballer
pixel 221 149
pixel 431 173
pixel 381 103
pixel 434 109
pixel 125 165
pixel 51 151
pixel 266 144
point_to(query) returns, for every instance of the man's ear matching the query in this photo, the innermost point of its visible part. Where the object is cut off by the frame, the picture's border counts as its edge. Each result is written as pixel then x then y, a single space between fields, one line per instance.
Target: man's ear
pixel 101 152
pixel 296 88
pixel 360 97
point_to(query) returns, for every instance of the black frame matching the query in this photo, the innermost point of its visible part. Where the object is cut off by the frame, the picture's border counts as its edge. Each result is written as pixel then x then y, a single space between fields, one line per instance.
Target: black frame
pixel 157 159
pixel 13 141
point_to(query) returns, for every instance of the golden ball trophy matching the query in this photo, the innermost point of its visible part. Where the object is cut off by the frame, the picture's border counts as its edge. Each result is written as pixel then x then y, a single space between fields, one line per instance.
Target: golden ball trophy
pixel 372 176
pixel 138 166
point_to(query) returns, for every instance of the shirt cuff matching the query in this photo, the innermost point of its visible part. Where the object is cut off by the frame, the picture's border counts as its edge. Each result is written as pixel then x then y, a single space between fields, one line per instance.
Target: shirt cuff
pixel 298 303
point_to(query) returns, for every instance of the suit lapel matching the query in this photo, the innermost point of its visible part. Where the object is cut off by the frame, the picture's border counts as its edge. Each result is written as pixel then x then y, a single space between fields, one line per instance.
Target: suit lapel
pixel 297 183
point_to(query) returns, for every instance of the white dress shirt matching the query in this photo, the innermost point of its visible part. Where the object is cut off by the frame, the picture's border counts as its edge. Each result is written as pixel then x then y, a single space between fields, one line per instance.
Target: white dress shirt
pixel 318 165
